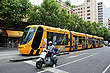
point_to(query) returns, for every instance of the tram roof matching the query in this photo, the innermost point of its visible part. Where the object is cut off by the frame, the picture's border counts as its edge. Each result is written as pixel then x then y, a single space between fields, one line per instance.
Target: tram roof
pixel 77 33
pixel 49 28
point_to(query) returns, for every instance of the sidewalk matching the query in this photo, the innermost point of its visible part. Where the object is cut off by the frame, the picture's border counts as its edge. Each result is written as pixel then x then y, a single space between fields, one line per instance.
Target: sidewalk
pixel 7 49
pixel 13 55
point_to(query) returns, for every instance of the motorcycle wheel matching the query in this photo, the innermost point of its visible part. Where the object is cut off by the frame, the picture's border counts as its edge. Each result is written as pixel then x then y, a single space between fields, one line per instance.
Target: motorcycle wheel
pixel 39 65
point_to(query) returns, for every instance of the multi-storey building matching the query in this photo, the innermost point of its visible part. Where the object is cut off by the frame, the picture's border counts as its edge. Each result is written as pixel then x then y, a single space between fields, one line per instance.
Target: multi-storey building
pixel 108 24
pixel 109 12
pixel 65 6
pixel 87 10
pixel 102 14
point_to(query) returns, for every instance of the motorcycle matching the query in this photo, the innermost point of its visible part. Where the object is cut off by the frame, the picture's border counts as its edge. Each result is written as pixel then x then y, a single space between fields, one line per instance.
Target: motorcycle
pixel 45 59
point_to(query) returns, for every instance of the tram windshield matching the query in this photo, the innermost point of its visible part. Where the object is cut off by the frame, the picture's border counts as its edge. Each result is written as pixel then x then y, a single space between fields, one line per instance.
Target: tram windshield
pixel 27 35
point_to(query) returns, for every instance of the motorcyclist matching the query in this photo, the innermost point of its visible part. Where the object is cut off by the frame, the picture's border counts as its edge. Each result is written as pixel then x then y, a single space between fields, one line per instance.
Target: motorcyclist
pixel 51 51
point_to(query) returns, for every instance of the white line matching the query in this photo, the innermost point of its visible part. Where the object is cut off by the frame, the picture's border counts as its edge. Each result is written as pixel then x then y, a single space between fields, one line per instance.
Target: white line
pixel 106 69
pixel 75 56
pixel 107 50
pixel 70 62
pixel 31 62
pixel 7 54
pixel 53 70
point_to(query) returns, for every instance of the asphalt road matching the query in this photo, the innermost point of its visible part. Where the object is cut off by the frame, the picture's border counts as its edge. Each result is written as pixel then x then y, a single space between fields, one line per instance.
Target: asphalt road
pixel 95 60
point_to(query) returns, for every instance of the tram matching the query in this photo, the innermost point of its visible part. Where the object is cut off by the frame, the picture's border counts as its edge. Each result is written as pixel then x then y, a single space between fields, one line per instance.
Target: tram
pixel 36 37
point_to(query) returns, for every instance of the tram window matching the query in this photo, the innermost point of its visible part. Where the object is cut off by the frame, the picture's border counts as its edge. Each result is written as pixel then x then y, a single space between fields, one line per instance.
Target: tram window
pixel 90 40
pixel 27 35
pixel 80 40
pixel 83 40
pixel 73 40
pixel 57 38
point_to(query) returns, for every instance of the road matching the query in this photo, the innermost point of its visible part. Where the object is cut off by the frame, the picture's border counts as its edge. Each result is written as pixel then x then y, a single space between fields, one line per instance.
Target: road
pixel 95 60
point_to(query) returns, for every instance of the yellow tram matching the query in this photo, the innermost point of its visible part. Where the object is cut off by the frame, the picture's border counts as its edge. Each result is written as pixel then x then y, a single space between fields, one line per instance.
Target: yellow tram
pixel 36 37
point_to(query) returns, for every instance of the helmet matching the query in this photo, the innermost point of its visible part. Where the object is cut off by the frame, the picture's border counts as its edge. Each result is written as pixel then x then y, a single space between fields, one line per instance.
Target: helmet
pixel 50 42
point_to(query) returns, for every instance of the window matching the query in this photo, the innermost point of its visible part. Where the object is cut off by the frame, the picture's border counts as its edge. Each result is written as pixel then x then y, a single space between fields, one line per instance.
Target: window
pixel 100 11
pixel 88 10
pixel 74 10
pixel 90 40
pixel 57 38
pixel 88 14
pixel 27 35
pixel 81 8
pixel 81 11
pixel 88 0
pixel 100 6
pixel 78 8
pixel 100 18
pixel 99 3
pixel 80 40
pixel 68 12
pixel 88 3
pixel 73 40
pixel 81 15
pixel 88 7
pixel 88 17
pixel 88 21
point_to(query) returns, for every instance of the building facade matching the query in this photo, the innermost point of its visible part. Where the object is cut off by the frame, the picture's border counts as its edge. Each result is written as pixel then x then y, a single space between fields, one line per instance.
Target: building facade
pixel 87 10
pixel 65 6
pixel 108 24
pixel 102 14
pixel 109 12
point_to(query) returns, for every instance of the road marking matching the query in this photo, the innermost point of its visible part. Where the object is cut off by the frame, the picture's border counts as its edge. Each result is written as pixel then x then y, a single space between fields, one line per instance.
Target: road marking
pixel 69 63
pixel 7 54
pixel 107 49
pixel 53 70
pixel 31 62
pixel 75 56
pixel 106 69
pixel 79 51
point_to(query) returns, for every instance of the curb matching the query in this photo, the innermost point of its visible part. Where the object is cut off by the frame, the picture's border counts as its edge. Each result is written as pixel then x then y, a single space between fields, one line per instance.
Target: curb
pixel 23 59
pixel 31 58
pixel 63 53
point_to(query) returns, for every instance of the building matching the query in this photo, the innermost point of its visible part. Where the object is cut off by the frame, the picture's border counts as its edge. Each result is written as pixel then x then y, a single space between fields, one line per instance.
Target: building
pixel 87 10
pixel 108 24
pixel 10 35
pixel 109 12
pixel 65 6
pixel 102 14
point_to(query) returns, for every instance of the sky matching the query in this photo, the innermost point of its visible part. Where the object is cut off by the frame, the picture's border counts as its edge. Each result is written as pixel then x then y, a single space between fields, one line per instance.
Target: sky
pixel 73 2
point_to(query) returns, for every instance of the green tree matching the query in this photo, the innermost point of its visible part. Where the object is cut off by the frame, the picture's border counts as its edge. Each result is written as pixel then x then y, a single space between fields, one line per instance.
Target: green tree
pixel 47 13
pixel 68 2
pixel 106 34
pixel 13 11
